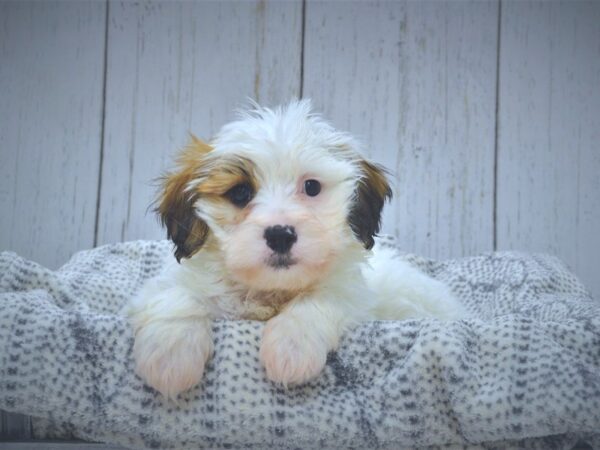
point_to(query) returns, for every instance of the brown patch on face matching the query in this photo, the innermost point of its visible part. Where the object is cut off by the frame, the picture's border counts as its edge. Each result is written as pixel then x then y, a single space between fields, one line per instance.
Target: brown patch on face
pixel 200 174
pixel 218 177
pixel 224 173
pixel 176 202
pixel 372 191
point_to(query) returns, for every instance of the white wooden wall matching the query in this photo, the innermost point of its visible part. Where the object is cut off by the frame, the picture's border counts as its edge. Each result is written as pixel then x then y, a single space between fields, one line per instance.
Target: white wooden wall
pixel 487 113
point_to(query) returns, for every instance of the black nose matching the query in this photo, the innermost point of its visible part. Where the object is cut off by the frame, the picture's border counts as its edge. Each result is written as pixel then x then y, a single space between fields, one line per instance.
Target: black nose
pixel 280 238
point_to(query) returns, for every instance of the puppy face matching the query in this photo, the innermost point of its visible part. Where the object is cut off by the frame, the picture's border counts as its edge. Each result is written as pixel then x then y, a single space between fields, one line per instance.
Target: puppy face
pixel 279 194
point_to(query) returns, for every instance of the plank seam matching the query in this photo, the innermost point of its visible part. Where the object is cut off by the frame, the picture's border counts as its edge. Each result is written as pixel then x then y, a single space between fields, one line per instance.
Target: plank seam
pixel 102 125
pixel 302 44
pixel 496 127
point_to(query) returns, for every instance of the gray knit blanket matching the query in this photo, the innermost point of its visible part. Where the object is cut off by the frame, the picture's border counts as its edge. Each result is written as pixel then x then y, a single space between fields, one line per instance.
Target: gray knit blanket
pixel 524 371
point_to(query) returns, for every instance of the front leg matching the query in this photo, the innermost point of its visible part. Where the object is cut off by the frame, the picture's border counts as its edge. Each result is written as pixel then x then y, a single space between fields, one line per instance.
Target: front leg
pixel 172 337
pixel 295 343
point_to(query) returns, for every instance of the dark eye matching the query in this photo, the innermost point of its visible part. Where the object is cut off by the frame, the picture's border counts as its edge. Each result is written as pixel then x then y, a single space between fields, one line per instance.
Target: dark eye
pixel 240 195
pixel 312 188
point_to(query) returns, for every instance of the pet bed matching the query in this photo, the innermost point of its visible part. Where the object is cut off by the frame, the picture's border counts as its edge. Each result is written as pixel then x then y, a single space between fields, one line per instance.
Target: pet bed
pixel 524 371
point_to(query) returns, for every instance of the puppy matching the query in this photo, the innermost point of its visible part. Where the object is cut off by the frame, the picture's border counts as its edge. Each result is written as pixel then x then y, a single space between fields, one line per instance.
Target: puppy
pixel 273 220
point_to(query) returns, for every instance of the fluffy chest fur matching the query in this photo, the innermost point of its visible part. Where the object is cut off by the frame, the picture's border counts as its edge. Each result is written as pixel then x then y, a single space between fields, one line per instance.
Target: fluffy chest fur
pixel 206 275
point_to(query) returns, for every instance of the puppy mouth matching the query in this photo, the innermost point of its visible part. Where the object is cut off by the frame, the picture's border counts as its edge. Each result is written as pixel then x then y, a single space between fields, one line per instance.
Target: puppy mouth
pixel 280 261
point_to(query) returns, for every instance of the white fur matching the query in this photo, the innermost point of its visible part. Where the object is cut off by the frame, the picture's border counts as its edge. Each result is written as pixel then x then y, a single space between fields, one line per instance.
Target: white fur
pixel 334 285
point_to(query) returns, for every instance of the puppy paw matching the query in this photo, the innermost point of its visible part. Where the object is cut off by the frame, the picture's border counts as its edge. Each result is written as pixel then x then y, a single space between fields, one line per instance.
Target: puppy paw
pixel 289 353
pixel 170 355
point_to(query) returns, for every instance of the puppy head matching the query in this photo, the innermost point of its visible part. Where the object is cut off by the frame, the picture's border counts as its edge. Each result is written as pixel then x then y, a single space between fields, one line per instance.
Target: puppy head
pixel 281 195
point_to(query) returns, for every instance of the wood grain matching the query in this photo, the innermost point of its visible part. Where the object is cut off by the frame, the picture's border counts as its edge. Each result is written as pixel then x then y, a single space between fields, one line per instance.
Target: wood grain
pixel 417 81
pixel 549 132
pixel 14 426
pixel 51 76
pixel 175 68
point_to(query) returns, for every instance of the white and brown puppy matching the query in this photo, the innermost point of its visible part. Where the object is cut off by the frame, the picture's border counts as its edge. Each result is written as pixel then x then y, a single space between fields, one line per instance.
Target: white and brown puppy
pixel 273 220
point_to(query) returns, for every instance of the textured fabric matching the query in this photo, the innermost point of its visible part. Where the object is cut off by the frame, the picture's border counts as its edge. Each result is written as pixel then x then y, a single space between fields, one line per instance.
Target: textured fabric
pixel 524 371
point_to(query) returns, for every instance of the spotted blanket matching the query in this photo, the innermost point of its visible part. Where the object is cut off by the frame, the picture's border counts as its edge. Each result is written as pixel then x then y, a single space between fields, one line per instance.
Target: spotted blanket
pixel 523 371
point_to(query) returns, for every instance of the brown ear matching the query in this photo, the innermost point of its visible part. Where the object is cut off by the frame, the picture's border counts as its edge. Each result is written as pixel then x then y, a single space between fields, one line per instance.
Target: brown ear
pixel 176 202
pixel 372 191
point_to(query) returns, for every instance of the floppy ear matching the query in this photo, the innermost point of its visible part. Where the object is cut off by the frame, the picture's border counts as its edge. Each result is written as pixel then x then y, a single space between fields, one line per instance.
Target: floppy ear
pixel 176 202
pixel 372 191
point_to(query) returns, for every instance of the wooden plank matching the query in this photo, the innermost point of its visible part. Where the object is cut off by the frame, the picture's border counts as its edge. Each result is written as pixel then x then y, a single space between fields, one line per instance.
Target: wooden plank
pixel 51 78
pixel 14 426
pixel 549 130
pixel 180 67
pixel 417 81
